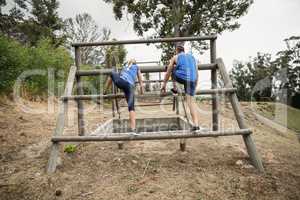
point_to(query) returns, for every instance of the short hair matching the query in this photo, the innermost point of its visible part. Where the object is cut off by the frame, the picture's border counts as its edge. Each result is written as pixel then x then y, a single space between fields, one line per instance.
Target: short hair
pixel 180 46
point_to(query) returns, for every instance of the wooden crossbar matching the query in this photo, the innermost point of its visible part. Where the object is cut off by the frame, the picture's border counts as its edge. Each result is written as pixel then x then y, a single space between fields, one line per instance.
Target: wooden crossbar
pixel 147 95
pixel 150 104
pixel 161 135
pixel 146 41
pixel 144 69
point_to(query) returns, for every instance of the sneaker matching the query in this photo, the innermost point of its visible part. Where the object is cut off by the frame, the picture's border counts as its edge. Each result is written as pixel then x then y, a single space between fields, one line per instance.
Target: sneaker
pixel 133 132
pixel 195 129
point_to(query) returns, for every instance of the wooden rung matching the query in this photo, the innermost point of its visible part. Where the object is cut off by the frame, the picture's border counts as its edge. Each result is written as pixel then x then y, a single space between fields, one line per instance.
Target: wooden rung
pixel 146 95
pixel 162 135
pixel 146 41
pixel 144 69
pixel 152 104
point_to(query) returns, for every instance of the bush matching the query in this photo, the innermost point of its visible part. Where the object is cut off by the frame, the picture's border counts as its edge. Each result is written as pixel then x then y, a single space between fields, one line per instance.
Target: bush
pixel 70 148
pixel 46 57
pixel 16 58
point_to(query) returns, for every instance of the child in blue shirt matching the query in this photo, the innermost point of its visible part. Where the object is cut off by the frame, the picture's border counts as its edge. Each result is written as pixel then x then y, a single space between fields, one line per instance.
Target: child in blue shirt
pixel 125 80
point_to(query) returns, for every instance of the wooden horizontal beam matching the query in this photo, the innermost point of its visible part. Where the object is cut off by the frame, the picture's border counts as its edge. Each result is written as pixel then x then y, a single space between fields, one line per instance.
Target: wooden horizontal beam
pixel 150 104
pixel 153 81
pixel 147 62
pixel 146 95
pixel 161 135
pixel 144 69
pixel 146 41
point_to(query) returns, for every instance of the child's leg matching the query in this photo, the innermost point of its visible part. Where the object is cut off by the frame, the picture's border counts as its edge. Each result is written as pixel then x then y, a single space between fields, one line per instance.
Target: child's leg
pixel 129 95
pixel 174 89
pixel 132 119
pixel 190 100
pixel 114 77
pixel 190 88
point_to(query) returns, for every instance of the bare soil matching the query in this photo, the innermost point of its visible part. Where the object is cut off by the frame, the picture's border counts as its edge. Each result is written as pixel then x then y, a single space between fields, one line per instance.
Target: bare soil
pixel 211 168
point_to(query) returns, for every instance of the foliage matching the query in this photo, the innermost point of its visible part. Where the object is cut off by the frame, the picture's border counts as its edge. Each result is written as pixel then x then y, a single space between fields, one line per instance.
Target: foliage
pixel 32 20
pixel 10 21
pixel 84 29
pixel 13 59
pixel 115 56
pixel 70 148
pixel 269 76
pixel 289 60
pixel 257 72
pixel 16 59
pixel 165 18
pixel 54 60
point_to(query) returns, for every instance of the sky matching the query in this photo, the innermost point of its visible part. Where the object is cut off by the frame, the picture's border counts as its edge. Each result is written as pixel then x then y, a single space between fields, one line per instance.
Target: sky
pixel 263 29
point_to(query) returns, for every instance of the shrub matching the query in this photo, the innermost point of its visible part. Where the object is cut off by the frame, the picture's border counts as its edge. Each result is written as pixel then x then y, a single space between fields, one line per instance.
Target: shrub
pixel 16 58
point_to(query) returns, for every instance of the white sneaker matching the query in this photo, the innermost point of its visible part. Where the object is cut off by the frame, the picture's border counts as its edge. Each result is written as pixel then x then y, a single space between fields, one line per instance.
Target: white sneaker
pixel 133 132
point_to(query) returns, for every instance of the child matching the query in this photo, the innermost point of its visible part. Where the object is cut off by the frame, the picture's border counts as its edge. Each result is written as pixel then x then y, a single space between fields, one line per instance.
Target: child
pixel 125 80
pixel 184 71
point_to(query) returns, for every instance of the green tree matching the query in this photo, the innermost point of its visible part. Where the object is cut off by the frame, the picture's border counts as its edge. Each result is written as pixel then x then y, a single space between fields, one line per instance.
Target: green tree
pixel 16 58
pixel 165 18
pixel 44 22
pixel 32 20
pixel 115 56
pixel 10 20
pixel 255 74
pixel 288 60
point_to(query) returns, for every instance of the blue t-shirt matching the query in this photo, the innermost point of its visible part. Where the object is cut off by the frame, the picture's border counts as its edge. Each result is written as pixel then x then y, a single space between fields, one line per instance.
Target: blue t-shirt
pixel 129 73
pixel 186 68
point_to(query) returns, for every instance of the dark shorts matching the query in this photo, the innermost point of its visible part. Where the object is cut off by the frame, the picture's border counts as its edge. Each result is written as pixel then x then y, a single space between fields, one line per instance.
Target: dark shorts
pixel 126 87
pixel 189 86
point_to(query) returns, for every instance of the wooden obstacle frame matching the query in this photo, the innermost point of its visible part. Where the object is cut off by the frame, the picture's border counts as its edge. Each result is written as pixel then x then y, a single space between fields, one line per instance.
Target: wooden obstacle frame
pixel 216 65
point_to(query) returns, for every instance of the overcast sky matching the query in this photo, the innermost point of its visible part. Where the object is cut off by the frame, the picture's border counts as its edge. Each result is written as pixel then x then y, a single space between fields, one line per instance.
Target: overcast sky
pixel 262 29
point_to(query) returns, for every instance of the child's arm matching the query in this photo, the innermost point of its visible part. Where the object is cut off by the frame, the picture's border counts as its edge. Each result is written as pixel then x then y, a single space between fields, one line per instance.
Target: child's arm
pixel 169 72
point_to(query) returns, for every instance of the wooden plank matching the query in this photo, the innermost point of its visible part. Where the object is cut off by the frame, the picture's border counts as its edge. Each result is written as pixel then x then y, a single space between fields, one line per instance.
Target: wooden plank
pixel 146 95
pixel 251 148
pixel 52 163
pixel 146 41
pixel 144 69
pixel 161 135
pixel 70 81
pixel 153 104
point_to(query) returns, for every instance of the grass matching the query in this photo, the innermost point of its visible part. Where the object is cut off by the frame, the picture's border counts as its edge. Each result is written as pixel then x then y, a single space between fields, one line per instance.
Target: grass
pixel 70 148
pixel 269 110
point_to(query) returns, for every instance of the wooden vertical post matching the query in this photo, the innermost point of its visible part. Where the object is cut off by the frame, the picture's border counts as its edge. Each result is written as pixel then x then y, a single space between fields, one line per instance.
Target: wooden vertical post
pixel 174 104
pixel 177 106
pixel 115 101
pixel 214 81
pixel 251 148
pixel 80 108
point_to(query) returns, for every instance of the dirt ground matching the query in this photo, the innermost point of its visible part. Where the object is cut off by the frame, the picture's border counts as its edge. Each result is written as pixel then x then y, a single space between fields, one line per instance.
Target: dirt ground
pixel 211 168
